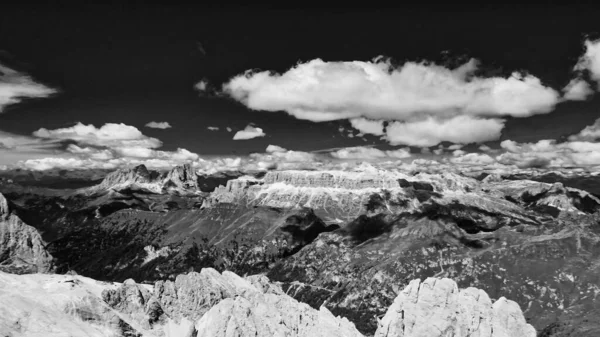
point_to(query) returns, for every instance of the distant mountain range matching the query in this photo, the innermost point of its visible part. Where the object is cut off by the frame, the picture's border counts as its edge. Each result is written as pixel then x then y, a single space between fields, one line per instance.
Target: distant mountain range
pixel 346 240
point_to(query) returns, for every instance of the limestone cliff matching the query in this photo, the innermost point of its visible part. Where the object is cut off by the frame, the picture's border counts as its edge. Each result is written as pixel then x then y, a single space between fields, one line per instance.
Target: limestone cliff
pixel 22 249
pixel 436 308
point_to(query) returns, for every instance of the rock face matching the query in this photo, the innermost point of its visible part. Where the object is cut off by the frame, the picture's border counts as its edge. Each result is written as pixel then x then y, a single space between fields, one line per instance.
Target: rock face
pixel 213 304
pixel 22 249
pixel 271 315
pixel 436 308
pixel 181 178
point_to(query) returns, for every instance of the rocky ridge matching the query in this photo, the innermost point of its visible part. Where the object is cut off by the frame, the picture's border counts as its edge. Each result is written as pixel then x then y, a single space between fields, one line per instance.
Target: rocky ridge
pixel 223 304
pixel 22 249
pixel 436 307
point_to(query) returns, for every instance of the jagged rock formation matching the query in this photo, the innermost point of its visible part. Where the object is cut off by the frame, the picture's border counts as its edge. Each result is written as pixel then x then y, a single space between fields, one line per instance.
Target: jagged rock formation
pixel 212 304
pixel 22 249
pixel 56 305
pixel 436 308
pixel 181 178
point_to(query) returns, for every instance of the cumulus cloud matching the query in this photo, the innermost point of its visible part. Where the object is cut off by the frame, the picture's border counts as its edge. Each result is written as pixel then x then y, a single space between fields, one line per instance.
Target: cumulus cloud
pixel 580 150
pixel 14 86
pixel 577 90
pixel 213 128
pixel 473 159
pixel 590 60
pixel 202 85
pixel 248 133
pixel 275 148
pixel 422 96
pixel 110 135
pixel 363 152
pixel 323 91
pixel 368 126
pixel 429 132
pixel 589 133
pixel 159 125
pixel 109 146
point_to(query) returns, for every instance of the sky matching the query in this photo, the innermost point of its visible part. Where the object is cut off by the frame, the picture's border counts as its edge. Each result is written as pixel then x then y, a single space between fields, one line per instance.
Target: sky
pixel 106 86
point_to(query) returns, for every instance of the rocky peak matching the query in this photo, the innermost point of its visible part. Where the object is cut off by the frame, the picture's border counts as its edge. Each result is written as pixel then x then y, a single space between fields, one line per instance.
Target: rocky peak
pixel 138 174
pixel 182 177
pixel 22 249
pixel 4 210
pixel 436 308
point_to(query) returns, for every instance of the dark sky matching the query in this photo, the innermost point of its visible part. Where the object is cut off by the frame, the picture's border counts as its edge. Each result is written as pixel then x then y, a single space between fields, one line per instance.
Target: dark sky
pixel 139 63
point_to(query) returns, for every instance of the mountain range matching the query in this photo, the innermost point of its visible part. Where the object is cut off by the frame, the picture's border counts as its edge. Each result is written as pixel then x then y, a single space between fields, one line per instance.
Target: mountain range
pixel 333 243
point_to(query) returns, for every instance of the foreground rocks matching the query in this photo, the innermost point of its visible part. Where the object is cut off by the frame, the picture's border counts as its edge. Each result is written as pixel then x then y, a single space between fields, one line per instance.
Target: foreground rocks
pixel 22 249
pixel 435 307
pixel 216 304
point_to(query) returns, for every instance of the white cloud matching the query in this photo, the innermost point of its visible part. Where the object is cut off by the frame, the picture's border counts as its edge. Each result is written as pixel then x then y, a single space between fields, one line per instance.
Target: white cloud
pixel 485 148
pixel 577 90
pixel 457 153
pixel 455 147
pixel 590 60
pixel 110 135
pixel 368 126
pixel 275 148
pixel 473 159
pixel 228 129
pixel 201 86
pixel 248 133
pixel 15 86
pixel 362 152
pixel 213 128
pixel 323 91
pixel 461 129
pixel 110 146
pixel 589 133
pixel 159 125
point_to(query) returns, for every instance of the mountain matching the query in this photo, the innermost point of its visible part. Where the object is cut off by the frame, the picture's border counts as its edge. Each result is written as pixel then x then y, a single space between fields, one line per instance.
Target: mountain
pixel 216 304
pixel 436 307
pixel 350 240
pixel 22 249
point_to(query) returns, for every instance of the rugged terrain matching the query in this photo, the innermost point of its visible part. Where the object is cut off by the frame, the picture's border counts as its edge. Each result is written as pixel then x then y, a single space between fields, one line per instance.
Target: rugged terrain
pixel 216 304
pixel 346 240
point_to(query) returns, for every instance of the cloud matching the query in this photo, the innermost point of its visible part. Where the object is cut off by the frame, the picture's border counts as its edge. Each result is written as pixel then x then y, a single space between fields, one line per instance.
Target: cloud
pixel 201 86
pixel 455 147
pixel 577 90
pixel 275 148
pixel 248 133
pixel 323 91
pixel 421 95
pixel 213 128
pixel 590 60
pixel 429 132
pixel 110 146
pixel 589 133
pixel 364 125
pixel 473 159
pixel 228 129
pixel 109 135
pixel 580 150
pixel 362 152
pixel 158 125
pixel 14 86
